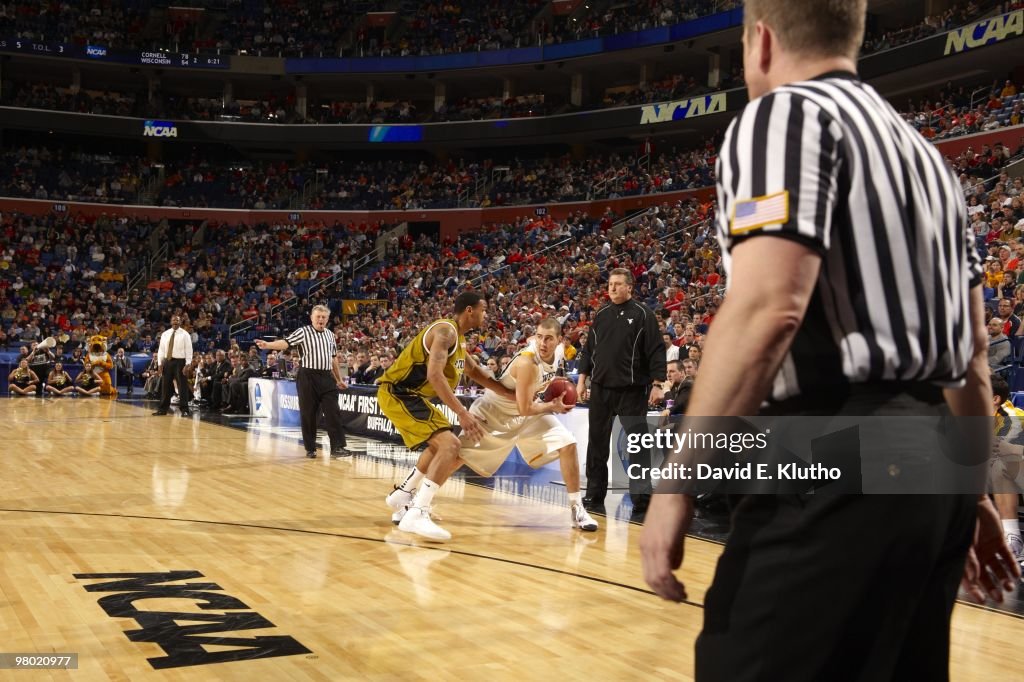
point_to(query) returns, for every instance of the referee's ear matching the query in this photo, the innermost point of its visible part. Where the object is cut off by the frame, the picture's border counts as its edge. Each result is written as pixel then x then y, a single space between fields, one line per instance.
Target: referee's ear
pixel 764 45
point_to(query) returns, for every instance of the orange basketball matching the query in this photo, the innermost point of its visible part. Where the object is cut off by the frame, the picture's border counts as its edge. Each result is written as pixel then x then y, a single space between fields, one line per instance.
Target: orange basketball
pixel 561 386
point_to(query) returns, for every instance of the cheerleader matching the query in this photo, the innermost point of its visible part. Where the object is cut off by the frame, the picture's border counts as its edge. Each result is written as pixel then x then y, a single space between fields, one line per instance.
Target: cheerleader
pixel 86 383
pixel 22 380
pixel 59 381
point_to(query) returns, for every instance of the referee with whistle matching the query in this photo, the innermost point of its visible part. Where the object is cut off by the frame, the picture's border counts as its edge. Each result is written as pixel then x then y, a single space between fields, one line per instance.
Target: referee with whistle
pixel 854 289
pixel 318 381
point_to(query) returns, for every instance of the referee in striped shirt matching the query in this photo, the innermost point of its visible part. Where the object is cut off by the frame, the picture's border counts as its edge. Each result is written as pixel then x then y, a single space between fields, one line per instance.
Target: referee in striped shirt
pixel 854 288
pixel 318 381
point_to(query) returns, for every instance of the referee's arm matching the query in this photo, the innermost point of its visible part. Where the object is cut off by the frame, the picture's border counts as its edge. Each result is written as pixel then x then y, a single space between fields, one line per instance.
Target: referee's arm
pixel 974 399
pixel 279 344
pixel 770 288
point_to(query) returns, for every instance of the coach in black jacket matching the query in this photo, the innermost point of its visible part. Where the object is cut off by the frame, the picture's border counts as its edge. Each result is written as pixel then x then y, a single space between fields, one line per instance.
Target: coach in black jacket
pixel 624 356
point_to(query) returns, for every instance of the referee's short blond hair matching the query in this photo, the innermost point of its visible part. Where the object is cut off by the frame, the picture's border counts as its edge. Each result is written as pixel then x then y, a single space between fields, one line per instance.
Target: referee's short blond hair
pixel 320 308
pixel 815 28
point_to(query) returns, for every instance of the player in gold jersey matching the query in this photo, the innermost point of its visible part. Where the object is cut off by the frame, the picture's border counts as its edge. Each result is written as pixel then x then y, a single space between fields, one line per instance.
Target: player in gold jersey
pixel 431 366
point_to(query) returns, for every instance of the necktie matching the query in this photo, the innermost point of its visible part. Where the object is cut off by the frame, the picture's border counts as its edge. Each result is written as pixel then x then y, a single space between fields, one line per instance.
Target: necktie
pixel 170 346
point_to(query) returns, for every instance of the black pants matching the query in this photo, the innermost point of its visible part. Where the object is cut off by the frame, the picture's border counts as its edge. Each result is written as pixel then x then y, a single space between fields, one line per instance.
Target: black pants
pixel 173 370
pixel 128 377
pixel 838 587
pixel 238 395
pixel 606 404
pixel 318 393
pixel 43 372
pixel 218 394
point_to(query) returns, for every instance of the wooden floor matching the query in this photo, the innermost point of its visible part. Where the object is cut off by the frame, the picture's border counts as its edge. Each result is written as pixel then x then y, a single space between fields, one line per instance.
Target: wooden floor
pixel 304 551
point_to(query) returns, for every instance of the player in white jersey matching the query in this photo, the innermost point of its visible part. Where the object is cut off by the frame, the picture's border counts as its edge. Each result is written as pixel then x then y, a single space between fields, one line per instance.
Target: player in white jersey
pixel 527 423
pixel 1006 474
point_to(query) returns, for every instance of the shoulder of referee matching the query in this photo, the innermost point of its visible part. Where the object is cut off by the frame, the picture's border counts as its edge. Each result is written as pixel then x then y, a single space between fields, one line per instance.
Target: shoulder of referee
pixel 774 111
pixel 780 160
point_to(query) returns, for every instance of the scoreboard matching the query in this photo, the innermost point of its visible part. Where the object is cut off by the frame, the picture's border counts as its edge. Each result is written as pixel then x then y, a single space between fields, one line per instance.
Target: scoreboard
pixel 103 54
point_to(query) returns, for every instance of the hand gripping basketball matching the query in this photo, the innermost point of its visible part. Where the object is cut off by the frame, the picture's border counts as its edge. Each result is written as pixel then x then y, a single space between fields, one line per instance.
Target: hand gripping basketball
pixel 561 386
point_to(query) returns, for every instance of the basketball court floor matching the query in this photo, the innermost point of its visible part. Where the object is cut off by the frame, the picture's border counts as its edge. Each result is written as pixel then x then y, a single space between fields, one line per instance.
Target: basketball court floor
pixel 171 548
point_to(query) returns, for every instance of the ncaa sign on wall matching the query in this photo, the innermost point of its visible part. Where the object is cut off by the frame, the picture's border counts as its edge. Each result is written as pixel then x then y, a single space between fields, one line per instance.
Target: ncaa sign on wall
pixel 683 109
pixel 159 129
pixel 985 32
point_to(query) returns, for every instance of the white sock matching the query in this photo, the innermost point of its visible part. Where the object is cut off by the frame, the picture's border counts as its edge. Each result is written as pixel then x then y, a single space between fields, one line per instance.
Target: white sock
pixel 412 480
pixel 425 495
pixel 1011 527
pixel 575 498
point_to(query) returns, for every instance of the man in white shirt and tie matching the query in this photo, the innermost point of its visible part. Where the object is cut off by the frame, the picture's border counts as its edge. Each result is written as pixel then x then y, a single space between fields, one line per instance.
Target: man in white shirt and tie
pixel 174 354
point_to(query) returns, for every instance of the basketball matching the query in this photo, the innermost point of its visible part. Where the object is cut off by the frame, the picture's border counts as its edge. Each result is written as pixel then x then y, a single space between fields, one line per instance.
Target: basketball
pixel 561 387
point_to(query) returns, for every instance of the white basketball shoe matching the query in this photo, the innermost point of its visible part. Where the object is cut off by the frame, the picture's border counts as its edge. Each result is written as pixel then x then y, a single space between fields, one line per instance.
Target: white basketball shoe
pixel 399 500
pixel 581 519
pixel 417 520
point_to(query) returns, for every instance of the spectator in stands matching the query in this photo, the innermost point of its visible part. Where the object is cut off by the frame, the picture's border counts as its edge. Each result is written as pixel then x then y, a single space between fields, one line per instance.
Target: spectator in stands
pixel 359 375
pixel 219 376
pixel 1011 323
pixel 238 387
pixel 671 350
pixel 374 370
pixel 255 361
pixel 151 378
pixel 125 370
pixel 999 349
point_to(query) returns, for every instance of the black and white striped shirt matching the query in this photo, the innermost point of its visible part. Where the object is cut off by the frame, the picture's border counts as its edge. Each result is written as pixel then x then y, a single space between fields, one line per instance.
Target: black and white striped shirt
pixel 317 349
pixel 829 163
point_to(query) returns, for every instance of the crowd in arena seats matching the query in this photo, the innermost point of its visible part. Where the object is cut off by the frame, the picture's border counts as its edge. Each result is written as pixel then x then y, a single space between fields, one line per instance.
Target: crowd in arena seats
pixel 372 185
pixel 330 28
pixel 594 21
pixel 480 108
pixel 446 26
pixel 958 15
pixel 55 174
pixel 671 87
pixel 49 286
pixel 271 109
pixel 534 268
pixel 92 22
pixel 66 275
pixel 995 200
pixel 965 110
pixel 69 273
pixel 612 177
pixel 292 28
pixel 282 109
pixel 289 28
pixel 58 174
pixel 996 212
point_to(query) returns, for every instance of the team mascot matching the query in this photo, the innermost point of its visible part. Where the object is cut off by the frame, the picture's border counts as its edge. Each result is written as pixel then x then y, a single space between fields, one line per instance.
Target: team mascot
pixel 102 363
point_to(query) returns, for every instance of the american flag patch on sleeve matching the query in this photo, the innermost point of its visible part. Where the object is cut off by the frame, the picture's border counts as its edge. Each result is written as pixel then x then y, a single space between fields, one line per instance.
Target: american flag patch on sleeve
pixel 754 213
